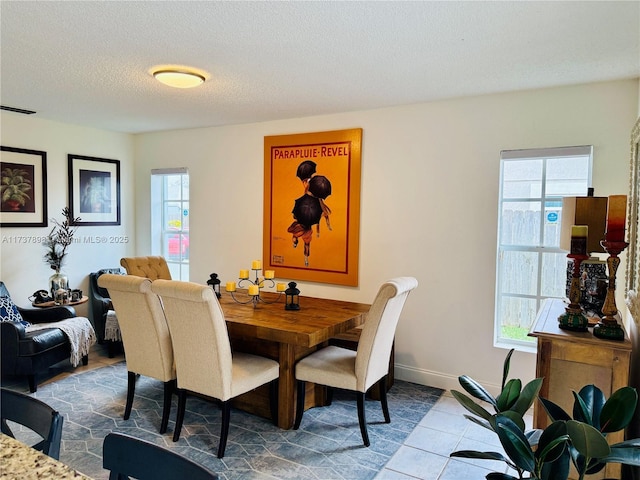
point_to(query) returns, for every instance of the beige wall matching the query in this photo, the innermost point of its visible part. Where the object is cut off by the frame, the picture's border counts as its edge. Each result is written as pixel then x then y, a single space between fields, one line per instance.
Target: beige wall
pixel 429 204
pixel 22 267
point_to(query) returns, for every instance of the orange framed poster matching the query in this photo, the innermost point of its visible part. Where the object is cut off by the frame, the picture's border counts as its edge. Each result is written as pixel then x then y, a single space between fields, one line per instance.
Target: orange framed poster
pixel 312 206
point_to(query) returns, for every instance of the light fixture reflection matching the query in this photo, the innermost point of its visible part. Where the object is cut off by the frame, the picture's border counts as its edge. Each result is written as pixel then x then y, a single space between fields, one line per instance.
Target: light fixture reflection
pixel 179 78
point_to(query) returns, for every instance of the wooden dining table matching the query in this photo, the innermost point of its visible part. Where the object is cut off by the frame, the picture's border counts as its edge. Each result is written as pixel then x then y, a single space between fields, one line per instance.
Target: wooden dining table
pixel 286 336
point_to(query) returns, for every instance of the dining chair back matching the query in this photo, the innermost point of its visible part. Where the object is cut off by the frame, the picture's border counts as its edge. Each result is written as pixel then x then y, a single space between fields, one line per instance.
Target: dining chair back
pixel 35 415
pixel 126 456
pixel 145 336
pixel 204 361
pixel 152 267
pixel 338 367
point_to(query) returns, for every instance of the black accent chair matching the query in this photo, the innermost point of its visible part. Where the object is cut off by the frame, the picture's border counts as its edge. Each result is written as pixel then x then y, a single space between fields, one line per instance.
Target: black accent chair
pixel 35 415
pixel 27 353
pixel 126 456
pixel 100 302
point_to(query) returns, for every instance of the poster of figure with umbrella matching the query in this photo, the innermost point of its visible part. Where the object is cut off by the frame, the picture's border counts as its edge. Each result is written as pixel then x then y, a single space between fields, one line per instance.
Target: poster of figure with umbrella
pixel 312 206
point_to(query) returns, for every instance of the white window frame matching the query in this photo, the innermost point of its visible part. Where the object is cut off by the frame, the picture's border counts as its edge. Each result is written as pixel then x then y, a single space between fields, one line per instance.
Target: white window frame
pixel 544 154
pixel 179 268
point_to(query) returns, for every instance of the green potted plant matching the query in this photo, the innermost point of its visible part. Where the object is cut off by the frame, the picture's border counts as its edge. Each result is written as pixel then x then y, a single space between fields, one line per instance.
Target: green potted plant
pixel 56 244
pixel 547 454
pixel 14 187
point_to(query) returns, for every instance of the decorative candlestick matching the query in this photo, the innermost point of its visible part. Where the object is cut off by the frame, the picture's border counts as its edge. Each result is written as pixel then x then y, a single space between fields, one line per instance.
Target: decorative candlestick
pixel 574 317
pixel 608 328
pixel 255 286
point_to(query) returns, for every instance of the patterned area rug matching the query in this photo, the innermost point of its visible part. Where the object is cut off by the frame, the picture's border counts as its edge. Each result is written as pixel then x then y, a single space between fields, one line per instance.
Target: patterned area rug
pixel 328 444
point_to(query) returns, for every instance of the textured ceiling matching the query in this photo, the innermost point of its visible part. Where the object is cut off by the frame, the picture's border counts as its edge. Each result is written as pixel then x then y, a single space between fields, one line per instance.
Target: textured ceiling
pixel 88 62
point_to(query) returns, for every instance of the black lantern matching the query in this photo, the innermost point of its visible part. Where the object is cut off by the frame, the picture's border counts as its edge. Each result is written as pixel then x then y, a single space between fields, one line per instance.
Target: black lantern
pixel 214 282
pixel 292 297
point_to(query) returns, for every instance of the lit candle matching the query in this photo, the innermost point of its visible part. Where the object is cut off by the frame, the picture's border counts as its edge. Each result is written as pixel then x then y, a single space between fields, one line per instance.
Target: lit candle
pixel 256 265
pixel 579 239
pixel 254 290
pixel 281 287
pixel 244 274
pixel 231 286
pixel 269 273
pixel 616 216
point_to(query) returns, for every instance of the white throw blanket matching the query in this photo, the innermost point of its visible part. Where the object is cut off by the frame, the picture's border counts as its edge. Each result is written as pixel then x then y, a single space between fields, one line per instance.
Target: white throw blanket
pixel 79 332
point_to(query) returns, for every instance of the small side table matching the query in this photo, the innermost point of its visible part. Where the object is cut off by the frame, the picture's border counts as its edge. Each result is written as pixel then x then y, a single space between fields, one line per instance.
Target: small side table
pixel 53 304
pixel 570 360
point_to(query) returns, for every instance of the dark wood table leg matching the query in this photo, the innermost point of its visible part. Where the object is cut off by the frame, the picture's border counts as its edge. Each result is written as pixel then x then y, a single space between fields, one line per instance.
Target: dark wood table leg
pixel 286 387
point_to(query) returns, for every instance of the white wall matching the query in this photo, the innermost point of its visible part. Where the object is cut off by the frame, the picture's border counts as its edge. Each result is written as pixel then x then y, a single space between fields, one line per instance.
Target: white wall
pixel 22 267
pixel 429 205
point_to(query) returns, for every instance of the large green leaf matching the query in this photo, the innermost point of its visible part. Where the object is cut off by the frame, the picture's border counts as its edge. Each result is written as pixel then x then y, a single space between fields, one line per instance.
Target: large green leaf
pixel 499 476
pixel 558 469
pixel 470 405
pixel 555 412
pixel 480 455
pixel 510 393
pixel 581 411
pixel 552 442
pixel 515 443
pixel 476 390
pixel 527 396
pixel 505 368
pixel 618 411
pixel 515 418
pixel 592 402
pixel 587 440
pixel 479 421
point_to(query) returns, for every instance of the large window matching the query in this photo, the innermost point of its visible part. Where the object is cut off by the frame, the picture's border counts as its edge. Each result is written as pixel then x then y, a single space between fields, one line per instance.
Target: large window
pixel 170 219
pixel 530 265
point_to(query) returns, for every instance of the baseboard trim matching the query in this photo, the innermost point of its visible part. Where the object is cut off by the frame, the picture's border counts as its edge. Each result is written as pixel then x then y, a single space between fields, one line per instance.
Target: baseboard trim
pixel 434 379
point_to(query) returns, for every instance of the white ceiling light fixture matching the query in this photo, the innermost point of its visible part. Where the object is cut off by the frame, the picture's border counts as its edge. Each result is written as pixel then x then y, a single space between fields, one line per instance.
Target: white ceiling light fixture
pixel 179 78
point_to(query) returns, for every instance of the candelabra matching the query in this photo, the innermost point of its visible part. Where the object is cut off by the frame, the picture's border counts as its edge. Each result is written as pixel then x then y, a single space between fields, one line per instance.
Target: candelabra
pixel 574 317
pixel 608 328
pixel 254 287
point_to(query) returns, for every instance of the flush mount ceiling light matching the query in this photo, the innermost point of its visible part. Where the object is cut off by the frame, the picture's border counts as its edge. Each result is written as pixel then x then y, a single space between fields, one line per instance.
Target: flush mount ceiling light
pixel 179 78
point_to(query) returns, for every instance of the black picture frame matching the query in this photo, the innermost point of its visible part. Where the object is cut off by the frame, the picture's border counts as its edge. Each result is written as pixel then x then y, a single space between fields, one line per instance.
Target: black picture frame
pixel 29 206
pixel 94 190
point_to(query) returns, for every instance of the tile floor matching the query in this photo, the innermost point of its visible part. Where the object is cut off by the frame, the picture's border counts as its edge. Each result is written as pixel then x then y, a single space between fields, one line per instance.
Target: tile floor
pixel 424 454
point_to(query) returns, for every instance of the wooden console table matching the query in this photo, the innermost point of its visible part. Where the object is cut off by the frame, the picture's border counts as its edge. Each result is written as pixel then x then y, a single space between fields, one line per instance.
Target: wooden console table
pixel 570 360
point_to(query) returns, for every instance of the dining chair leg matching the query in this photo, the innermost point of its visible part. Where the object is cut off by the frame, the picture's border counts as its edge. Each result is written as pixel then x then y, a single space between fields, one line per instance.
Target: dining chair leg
pixel 299 404
pixel 182 405
pixel 131 389
pixel 362 419
pixel 169 387
pixel 382 385
pixel 273 401
pixel 329 396
pixel 224 430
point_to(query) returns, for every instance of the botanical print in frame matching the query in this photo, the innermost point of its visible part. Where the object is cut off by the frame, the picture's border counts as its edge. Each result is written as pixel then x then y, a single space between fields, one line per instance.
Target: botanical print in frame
pixel 312 206
pixel 94 190
pixel 23 180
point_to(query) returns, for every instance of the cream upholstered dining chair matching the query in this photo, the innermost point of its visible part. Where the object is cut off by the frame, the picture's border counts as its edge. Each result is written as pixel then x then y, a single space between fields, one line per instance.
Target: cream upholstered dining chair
pixel 145 336
pixel 204 362
pixel 338 367
pixel 153 267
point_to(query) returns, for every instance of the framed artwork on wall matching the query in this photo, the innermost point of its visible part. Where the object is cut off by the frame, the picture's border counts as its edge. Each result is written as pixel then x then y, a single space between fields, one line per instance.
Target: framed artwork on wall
pixel 23 187
pixel 312 206
pixel 633 221
pixel 94 190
